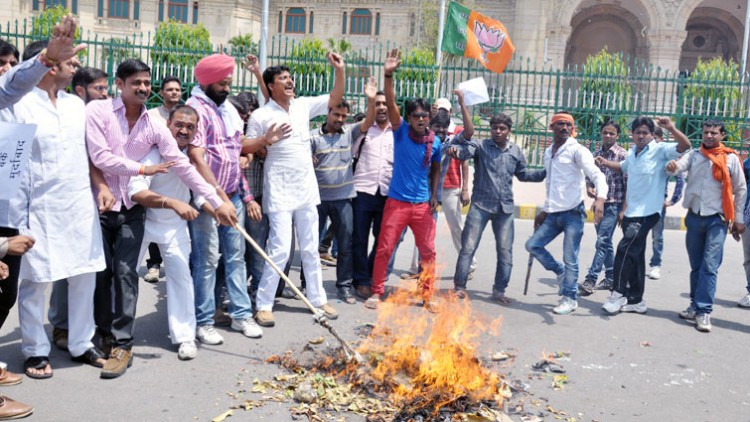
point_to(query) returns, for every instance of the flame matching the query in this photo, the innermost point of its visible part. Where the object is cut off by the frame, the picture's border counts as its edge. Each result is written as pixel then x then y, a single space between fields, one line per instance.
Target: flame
pixel 423 359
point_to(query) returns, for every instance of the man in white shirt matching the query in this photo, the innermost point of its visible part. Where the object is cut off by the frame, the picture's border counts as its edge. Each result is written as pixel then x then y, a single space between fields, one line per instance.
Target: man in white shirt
pixel 290 188
pixel 568 163
pixel 168 210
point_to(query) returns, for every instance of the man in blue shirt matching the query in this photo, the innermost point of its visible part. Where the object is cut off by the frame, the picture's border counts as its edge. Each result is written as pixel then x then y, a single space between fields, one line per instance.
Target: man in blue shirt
pixel 412 196
pixel 647 180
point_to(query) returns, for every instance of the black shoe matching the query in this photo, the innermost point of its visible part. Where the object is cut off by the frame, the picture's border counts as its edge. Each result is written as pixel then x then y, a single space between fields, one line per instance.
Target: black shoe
pixel 605 284
pixel 91 357
pixel 346 296
pixel 587 287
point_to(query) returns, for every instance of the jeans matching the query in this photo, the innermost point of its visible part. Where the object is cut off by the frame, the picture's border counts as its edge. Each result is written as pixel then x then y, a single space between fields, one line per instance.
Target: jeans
pixel 367 215
pixel 502 227
pixel 207 237
pixel 258 231
pixel 571 224
pixel 122 234
pixel 342 223
pixel 746 260
pixel 604 255
pixel 630 259
pixel 657 239
pixel 704 240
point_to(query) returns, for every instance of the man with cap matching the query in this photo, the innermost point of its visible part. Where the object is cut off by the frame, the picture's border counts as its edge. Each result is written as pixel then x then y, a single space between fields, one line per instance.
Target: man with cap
pixel 567 163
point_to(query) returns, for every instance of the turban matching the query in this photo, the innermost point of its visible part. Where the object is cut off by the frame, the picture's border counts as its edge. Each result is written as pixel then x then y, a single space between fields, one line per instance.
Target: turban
pixel 213 68
pixel 565 117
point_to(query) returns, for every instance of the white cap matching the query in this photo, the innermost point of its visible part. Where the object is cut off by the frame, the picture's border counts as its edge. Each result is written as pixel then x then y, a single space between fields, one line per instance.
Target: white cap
pixel 444 103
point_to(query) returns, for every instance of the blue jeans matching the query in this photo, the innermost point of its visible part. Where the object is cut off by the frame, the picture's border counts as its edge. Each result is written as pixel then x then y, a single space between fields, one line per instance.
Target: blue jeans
pixel 571 224
pixel 258 231
pixel 502 227
pixel 367 214
pixel 604 255
pixel 207 237
pixel 657 239
pixel 704 240
pixel 340 213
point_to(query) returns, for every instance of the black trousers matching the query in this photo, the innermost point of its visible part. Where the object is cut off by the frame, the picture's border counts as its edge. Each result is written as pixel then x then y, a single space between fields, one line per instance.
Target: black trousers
pixel 9 286
pixel 122 233
pixel 630 258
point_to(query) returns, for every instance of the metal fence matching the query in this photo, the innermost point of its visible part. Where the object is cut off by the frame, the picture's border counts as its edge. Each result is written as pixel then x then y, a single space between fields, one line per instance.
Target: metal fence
pixel 528 93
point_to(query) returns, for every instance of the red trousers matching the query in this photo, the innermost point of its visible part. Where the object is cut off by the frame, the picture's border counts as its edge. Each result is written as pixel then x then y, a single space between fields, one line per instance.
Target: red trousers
pixel 397 215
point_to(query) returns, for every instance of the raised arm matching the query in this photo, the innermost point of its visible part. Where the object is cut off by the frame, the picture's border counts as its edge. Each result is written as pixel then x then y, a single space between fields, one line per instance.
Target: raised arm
pixel 371 91
pixel 339 81
pixel 252 66
pixel 683 143
pixel 465 114
pixel 392 62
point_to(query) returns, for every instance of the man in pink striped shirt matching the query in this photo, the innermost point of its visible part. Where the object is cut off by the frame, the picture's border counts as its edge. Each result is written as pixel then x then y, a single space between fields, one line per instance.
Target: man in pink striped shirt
pixel 119 133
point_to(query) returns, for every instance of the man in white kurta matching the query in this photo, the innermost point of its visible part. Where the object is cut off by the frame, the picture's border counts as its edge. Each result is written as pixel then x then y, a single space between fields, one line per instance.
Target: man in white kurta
pixel 168 210
pixel 61 209
pixel 290 189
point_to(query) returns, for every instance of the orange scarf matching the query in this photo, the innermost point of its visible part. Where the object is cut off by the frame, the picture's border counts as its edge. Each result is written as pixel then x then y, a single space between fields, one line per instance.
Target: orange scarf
pixel 718 156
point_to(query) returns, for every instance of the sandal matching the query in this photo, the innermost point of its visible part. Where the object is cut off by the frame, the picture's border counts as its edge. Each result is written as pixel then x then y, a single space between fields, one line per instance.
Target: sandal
pixel 372 303
pixel 39 363
pixel 91 357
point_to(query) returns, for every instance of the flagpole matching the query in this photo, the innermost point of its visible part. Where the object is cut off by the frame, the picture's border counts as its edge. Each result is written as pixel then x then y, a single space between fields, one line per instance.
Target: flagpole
pixel 437 80
pixel 441 26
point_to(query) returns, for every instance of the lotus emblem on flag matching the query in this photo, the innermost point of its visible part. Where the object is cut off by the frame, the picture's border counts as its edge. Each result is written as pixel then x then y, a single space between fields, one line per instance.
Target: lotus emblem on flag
pixel 489 38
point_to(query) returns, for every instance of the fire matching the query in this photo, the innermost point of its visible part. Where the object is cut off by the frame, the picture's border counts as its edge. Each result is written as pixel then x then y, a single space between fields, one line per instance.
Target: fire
pixel 425 360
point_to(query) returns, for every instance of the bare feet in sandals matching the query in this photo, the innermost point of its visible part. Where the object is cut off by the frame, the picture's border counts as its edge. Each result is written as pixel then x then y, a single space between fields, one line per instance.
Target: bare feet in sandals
pixel 501 298
pixel 38 367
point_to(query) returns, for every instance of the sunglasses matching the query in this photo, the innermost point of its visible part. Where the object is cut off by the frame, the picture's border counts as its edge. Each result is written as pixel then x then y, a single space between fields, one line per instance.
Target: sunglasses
pixel 420 115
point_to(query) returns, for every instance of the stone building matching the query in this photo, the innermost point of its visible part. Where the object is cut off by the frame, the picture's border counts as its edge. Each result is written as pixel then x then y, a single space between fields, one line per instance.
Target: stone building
pixel 672 34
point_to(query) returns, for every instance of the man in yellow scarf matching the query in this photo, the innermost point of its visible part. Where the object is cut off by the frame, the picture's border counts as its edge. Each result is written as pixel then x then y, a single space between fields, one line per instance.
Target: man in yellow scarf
pixel 715 198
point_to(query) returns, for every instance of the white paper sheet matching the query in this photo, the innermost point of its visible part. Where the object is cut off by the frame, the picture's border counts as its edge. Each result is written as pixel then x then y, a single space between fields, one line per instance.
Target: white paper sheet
pixel 475 91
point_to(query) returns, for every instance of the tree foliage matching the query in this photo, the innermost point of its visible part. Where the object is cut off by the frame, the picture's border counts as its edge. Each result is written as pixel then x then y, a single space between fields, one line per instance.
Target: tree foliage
pixel 243 44
pixel 178 47
pixel 42 25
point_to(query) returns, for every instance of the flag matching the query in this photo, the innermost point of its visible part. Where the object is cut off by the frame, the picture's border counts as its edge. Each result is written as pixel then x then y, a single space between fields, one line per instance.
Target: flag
pixel 470 34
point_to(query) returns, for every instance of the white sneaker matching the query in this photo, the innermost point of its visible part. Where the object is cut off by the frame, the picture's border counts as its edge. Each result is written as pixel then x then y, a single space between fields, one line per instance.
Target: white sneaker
pixel 188 350
pixel 654 273
pixel 615 302
pixel 248 326
pixel 744 302
pixel 566 306
pixel 207 335
pixel 152 276
pixel 639 308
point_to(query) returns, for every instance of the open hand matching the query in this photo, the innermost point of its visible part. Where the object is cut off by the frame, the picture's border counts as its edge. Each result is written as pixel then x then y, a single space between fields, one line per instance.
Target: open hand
pixel 251 64
pixel 277 132
pixel 371 88
pixel 392 61
pixel 60 47
pixel 158 168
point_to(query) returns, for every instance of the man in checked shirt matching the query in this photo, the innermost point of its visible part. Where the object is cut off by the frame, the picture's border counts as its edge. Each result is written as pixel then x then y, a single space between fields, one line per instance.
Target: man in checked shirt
pixel 119 133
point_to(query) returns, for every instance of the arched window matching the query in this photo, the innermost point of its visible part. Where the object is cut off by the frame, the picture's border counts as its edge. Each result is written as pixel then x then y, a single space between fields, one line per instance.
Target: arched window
pixel 295 21
pixel 361 22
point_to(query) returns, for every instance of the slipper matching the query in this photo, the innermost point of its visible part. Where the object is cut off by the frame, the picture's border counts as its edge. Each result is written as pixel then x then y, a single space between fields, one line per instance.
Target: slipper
pixel 504 300
pixel 372 303
pixel 91 357
pixel 37 362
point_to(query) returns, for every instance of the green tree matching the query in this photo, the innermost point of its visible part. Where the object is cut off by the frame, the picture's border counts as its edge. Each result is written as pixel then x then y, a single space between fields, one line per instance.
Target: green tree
pixel 339 46
pixel 309 66
pixel 417 74
pixel 42 25
pixel 243 45
pixel 114 51
pixel 177 48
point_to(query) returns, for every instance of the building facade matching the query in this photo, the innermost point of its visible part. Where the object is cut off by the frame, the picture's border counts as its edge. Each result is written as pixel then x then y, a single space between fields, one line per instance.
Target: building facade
pixel 671 34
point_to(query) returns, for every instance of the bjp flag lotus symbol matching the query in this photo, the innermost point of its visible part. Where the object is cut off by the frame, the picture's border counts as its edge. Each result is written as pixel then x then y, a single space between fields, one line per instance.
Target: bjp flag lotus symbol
pixel 491 40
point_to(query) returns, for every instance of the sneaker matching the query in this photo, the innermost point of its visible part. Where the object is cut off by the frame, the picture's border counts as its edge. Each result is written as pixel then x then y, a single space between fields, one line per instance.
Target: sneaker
pixel 207 335
pixel 265 318
pixel 188 350
pixel 329 311
pixel 327 259
pixel 346 296
pixel 654 273
pixel 152 276
pixel 566 306
pixel 614 303
pixel 119 362
pixel 744 302
pixel 638 308
pixel 605 284
pixel 688 314
pixel 703 323
pixel 248 327
pixel 587 287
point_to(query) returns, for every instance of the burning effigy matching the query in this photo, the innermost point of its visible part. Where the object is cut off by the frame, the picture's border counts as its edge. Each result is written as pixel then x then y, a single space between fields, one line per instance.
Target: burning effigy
pixel 414 365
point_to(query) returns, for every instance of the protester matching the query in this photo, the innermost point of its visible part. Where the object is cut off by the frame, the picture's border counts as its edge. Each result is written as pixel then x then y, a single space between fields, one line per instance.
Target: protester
pixel 604 252
pixel 8 56
pixel 644 200
pixel 566 162
pixel 497 160
pixel 412 195
pixel 119 132
pixel 290 194
pixel 90 84
pixel 715 197
pixel 657 233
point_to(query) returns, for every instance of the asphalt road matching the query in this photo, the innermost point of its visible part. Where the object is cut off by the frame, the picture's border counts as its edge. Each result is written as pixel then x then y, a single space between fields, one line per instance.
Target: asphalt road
pixel 652 367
